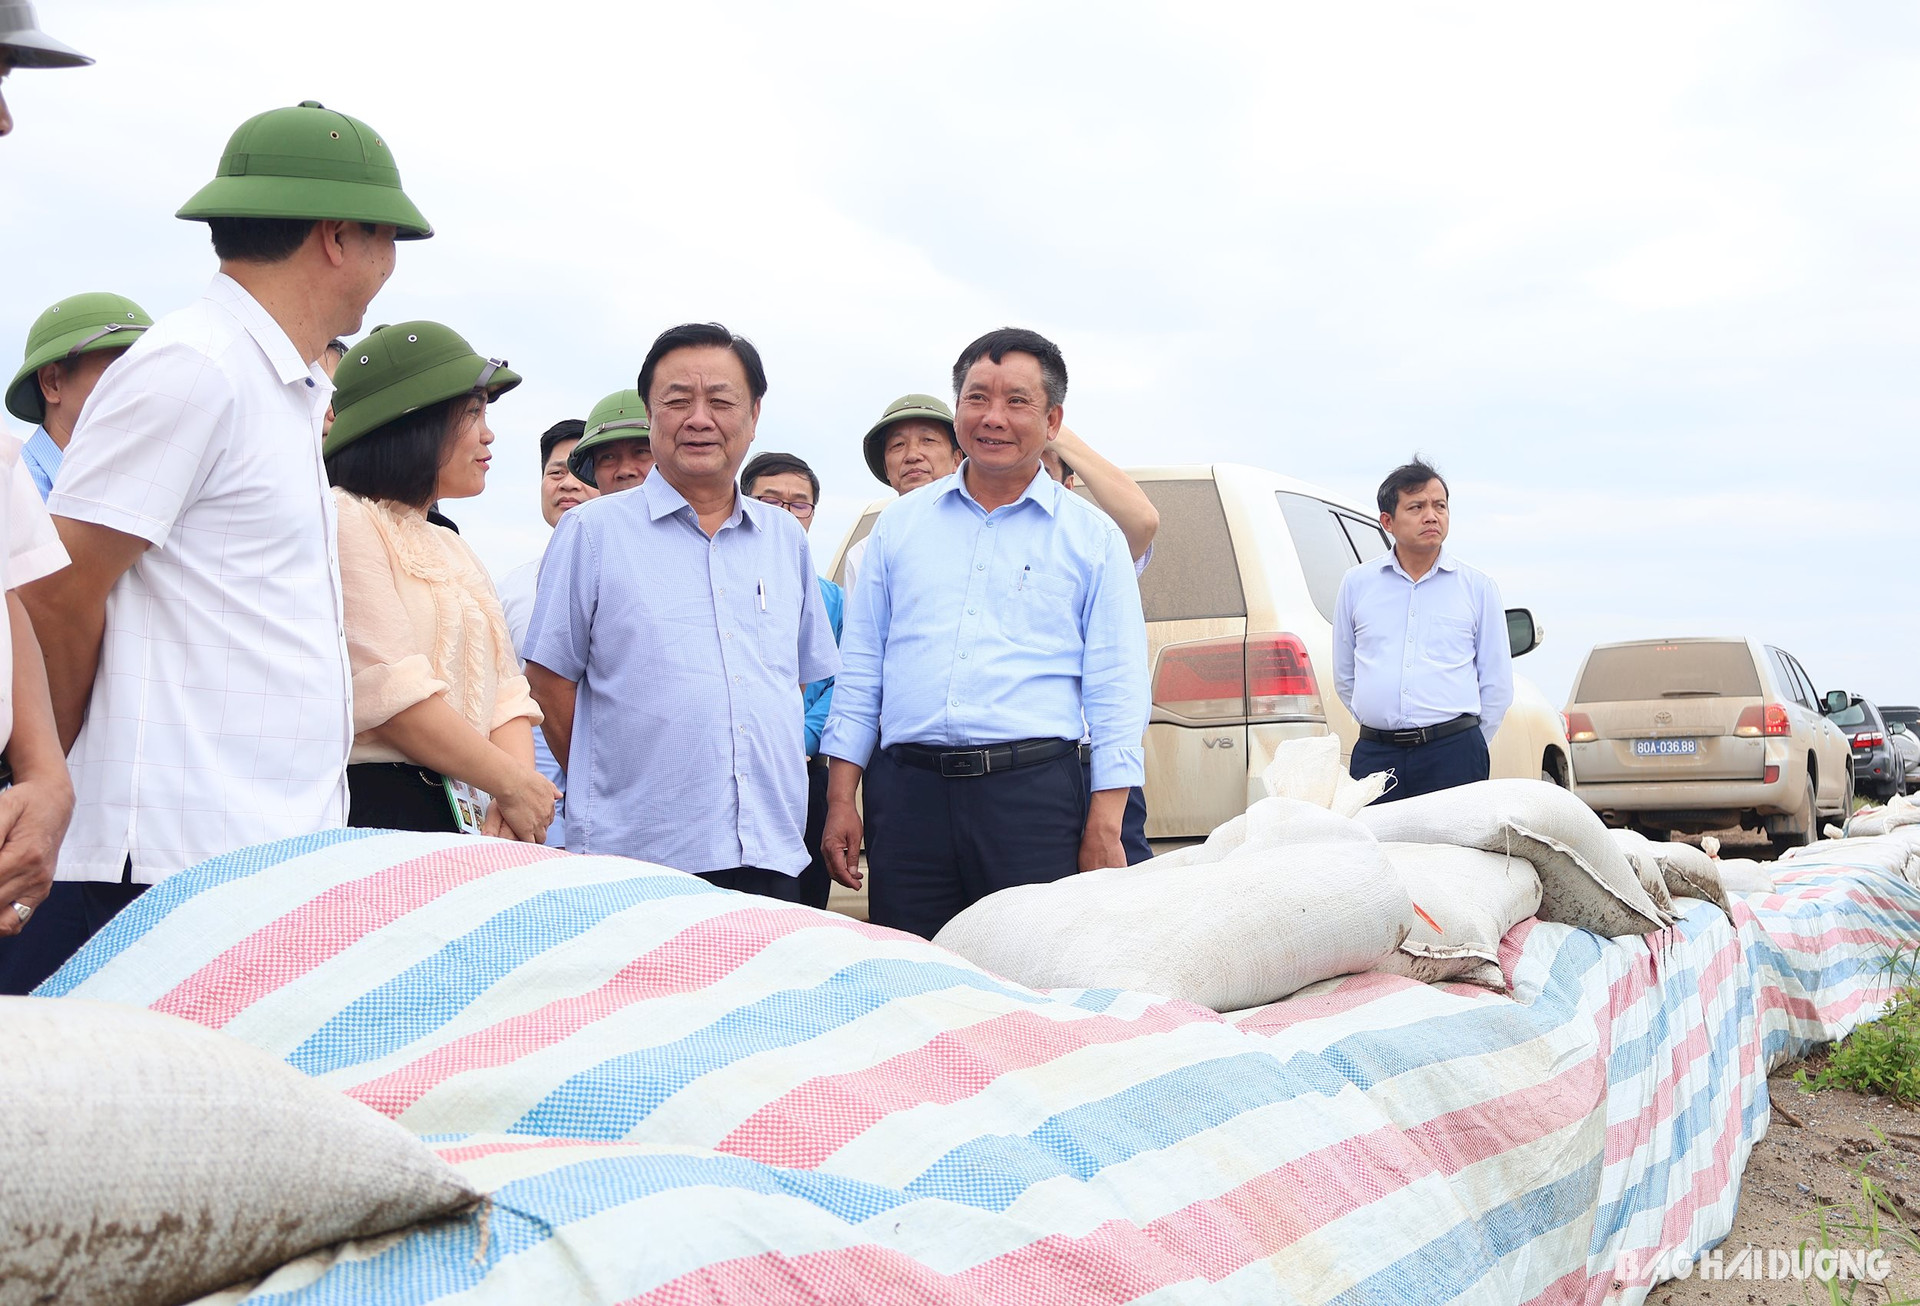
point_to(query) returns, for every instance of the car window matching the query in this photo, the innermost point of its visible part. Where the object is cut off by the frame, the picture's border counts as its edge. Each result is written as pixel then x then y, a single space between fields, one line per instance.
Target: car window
pixel 1690 669
pixel 1789 684
pixel 1368 540
pixel 1326 554
pixel 1810 695
pixel 1852 716
pixel 1194 572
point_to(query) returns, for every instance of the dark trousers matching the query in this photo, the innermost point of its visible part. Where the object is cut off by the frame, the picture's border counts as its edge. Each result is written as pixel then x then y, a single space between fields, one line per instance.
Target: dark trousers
pixel 398 796
pixel 816 885
pixel 751 879
pixel 74 911
pixel 1426 768
pixel 1133 828
pixel 936 846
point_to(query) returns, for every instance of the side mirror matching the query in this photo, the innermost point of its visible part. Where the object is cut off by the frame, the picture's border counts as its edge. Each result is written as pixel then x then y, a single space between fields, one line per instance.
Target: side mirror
pixel 1837 700
pixel 1523 634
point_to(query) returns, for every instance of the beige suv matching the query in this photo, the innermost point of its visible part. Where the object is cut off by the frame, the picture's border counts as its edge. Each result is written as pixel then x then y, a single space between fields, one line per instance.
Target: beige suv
pixel 1239 603
pixel 1706 734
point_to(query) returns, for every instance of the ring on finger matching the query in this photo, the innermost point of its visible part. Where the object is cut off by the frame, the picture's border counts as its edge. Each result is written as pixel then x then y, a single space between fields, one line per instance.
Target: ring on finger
pixel 22 910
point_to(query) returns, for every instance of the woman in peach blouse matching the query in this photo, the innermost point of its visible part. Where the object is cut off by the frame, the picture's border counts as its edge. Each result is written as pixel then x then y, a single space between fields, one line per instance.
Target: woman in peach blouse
pixel 437 690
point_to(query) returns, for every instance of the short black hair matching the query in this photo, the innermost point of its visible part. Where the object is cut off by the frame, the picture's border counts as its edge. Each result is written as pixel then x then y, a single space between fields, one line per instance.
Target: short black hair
pixel 694 334
pixel 1017 340
pixel 774 464
pixel 401 460
pixel 1408 476
pixel 259 240
pixel 567 428
pixel 338 346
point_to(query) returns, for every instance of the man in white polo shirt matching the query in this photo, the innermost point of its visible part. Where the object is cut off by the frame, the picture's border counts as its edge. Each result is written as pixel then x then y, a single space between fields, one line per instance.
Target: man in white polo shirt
pixel 205 586
pixel 1420 651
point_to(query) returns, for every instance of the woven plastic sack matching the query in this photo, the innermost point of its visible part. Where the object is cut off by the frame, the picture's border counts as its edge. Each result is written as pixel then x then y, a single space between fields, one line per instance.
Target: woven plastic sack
pixel 152 1161
pixel 1744 875
pixel 1309 771
pixel 1585 880
pixel 1679 870
pixel 1464 902
pixel 1305 896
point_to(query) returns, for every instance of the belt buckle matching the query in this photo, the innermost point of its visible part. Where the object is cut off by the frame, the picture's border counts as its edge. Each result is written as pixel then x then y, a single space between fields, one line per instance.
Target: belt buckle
pixel 960 766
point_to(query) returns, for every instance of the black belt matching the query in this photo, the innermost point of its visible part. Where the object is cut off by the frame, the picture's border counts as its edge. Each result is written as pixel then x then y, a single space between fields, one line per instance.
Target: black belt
pixel 1424 735
pixel 958 763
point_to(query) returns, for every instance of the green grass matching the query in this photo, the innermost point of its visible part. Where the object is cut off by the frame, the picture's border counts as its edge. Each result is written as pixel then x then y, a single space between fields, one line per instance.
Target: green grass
pixel 1881 1058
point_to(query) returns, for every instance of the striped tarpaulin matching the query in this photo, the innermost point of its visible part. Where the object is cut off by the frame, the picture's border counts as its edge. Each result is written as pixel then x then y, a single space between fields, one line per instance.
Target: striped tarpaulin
pixel 677 1094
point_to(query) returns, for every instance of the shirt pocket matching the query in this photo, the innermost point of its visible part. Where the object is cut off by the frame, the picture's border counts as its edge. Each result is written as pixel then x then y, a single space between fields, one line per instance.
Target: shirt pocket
pixel 1448 641
pixel 1041 613
pixel 777 632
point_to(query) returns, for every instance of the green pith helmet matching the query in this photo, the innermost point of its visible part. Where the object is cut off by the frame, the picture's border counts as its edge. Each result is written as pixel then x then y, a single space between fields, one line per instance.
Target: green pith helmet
pixel 79 324
pixel 21 37
pixel 308 162
pixel 917 408
pixel 403 368
pixel 622 415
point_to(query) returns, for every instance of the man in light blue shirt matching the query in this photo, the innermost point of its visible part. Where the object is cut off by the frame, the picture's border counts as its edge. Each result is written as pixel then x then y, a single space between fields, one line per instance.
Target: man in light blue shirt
pixel 672 629
pixel 69 348
pixel 1420 649
pixel 996 620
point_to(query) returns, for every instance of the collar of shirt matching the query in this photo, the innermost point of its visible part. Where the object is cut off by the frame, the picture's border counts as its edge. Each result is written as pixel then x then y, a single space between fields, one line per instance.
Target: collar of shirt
pixel 663 501
pixel 1390 561
pixel 42 457
pixel 267 333
pixel 1042 489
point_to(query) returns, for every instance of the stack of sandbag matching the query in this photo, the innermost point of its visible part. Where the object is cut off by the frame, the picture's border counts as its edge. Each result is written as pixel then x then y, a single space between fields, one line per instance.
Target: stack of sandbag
pixel 1737 874
pixel 151 1161
pixel 1900 811
pixel 1464 902
pixel 1295 895
pixel 1304 770
pixel 1585 879
pixel 1680 870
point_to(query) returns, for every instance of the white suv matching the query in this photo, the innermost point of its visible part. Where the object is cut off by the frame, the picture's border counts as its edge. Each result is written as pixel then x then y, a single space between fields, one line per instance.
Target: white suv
pixel 1239 604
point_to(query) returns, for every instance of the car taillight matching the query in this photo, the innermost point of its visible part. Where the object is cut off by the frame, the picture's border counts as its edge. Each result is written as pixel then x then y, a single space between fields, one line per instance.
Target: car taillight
pixel 1868 739
pixel 1770 776
pixel 1232 679
pixel 1580 728
pixel 1763 719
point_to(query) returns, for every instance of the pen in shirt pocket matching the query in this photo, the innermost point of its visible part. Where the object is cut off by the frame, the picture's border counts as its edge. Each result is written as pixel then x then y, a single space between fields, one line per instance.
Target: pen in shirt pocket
pixel 1025 572
pixel 762 587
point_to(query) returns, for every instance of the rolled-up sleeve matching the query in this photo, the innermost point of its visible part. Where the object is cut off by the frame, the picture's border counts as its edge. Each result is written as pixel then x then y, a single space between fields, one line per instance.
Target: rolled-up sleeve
pixel 1493 659
pixel 853 724
pixel 389 674
pixel 1113 684
pixel 560 631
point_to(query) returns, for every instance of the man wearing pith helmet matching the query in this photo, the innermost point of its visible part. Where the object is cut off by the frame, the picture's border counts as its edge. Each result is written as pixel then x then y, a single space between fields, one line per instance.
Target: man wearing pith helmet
pixel 24 45
pixel 912 445
pixel 199 632
pixel 616 450
pixel 68 347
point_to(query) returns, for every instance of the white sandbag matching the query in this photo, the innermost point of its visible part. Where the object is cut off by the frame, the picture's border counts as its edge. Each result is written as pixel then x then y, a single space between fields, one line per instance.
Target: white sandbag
pixel 1309 771
pixel 1899 811
pixel 1681 870
pixel 1465 900
pixel 1306 895
pixel 1743 875
pixel 152 1161
pixel 1585 880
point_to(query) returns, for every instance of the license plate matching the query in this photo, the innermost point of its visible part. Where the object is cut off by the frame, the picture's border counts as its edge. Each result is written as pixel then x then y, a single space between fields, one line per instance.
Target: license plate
pixel 1665 747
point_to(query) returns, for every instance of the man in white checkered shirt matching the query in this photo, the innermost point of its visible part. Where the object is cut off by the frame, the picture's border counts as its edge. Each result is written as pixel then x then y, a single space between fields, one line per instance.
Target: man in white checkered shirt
pixel 205 586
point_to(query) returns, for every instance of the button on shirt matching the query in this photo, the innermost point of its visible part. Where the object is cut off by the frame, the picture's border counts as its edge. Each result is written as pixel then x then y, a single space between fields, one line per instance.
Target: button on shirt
pixel 970 628
pixel 221 714
pixel 1409 653
pixel 689 654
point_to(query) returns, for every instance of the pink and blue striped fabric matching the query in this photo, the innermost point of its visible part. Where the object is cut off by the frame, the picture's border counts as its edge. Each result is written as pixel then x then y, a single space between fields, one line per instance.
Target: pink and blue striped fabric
pixel 677 1094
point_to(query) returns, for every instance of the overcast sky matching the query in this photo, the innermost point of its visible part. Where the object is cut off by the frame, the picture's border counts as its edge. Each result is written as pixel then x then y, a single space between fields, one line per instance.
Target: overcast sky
pixel 1640 278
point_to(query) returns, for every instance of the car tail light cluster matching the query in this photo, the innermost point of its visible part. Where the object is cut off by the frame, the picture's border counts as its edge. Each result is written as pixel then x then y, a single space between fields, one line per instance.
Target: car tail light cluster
pixel 1579 728
pixel 1869 739
pixel 1763 720
pixel 1217 680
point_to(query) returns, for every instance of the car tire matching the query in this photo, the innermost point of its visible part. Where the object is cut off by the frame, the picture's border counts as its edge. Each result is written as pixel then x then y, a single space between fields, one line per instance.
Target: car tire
pixel 1783 840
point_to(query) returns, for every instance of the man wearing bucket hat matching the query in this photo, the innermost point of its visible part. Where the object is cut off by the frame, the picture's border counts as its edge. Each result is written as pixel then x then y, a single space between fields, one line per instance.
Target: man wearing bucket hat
pixel 616 451
pixel 68 347
pixel 438 698
pixel 205 590
pixel 912 445
pixel 24 45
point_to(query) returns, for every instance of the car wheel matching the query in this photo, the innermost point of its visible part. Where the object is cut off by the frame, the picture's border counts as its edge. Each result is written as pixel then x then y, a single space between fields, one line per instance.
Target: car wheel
pixel 1810 809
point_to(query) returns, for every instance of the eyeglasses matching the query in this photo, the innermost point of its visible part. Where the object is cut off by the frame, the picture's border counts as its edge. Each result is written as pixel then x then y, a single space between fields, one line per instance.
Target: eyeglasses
pixel 798 507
